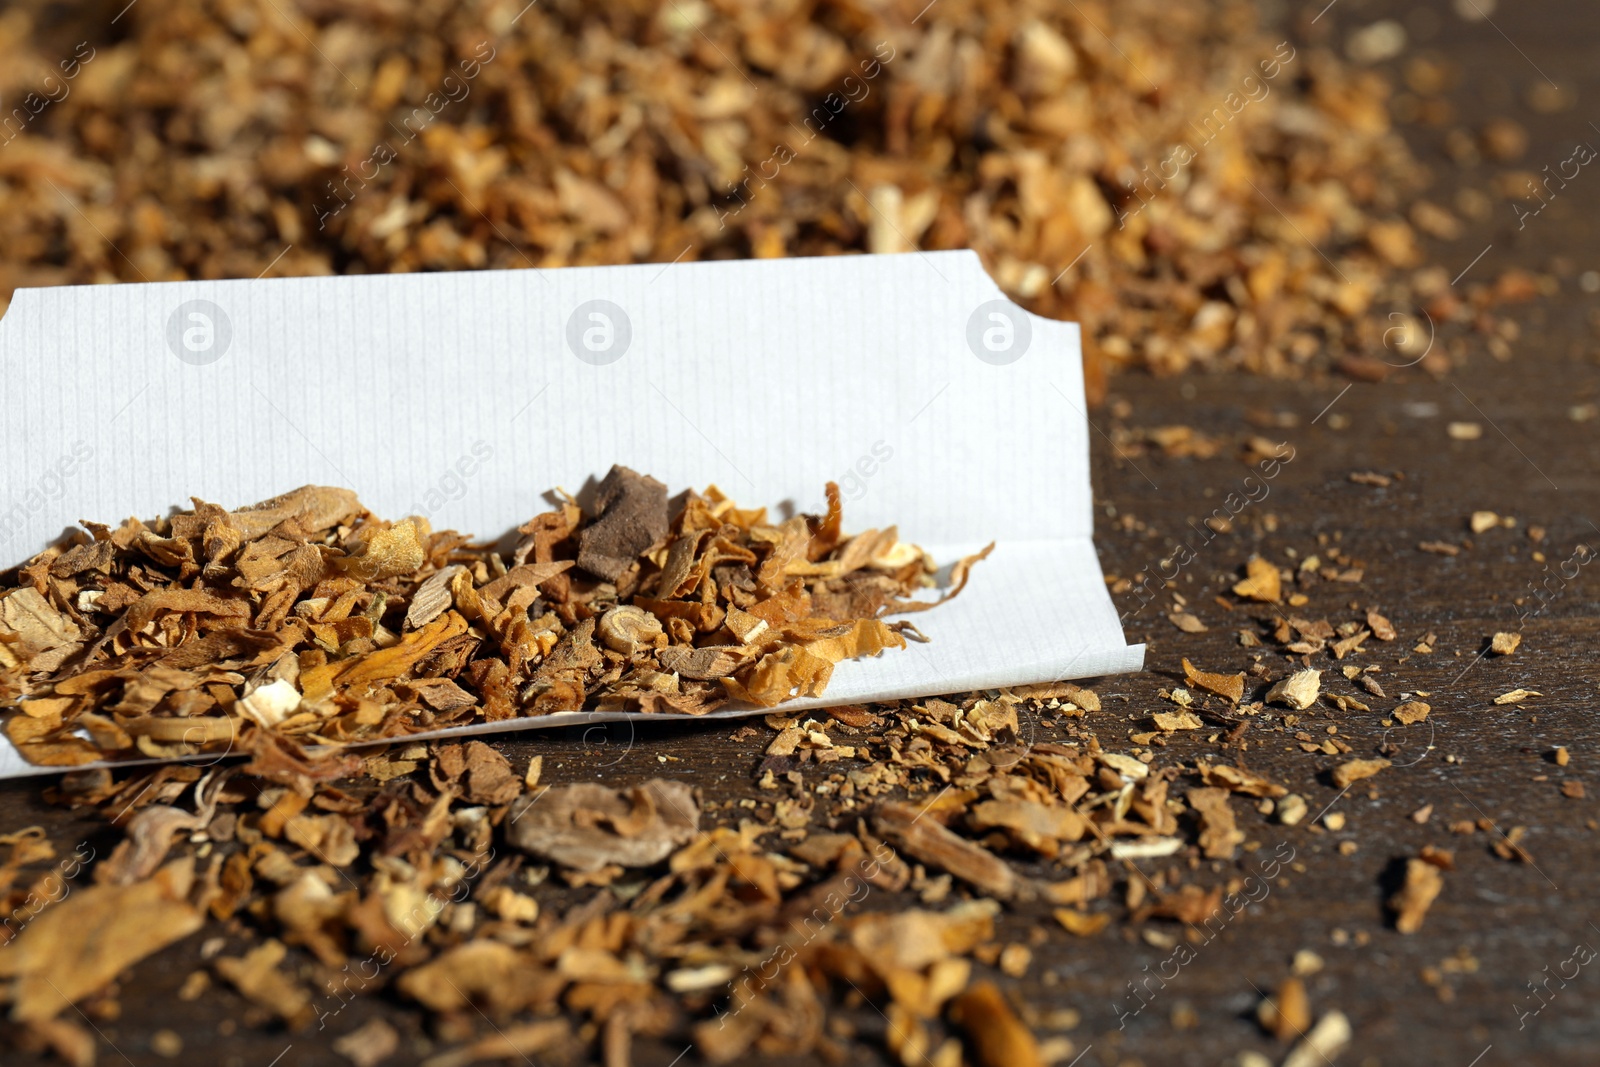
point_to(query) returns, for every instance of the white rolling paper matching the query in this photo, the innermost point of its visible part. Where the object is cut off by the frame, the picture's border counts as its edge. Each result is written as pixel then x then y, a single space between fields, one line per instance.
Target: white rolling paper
pixel 909 379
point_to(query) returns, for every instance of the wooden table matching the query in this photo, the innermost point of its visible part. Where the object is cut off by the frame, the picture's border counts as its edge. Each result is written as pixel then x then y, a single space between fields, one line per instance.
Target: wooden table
pixel 1458 992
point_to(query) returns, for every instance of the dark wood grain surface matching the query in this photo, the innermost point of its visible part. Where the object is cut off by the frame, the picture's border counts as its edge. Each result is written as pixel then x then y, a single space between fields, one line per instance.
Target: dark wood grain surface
pixel 1458 992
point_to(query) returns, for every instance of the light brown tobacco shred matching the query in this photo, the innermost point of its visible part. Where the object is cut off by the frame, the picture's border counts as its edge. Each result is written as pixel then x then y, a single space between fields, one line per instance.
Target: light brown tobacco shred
pixel 1288 1014
pixel 1357 769
pixel 1412 711
pixel 999 1039
pixel 1298 690
pixel 1236 780
pixel 306 620
pixel 1423 883
pixel 1382 629
pixel 1503 644
pixel 85 941
pixel 1225 685
pixel 1219 834
pixel 1262 581
pixel 926 840
pixel 258 977
pixel 1323 1043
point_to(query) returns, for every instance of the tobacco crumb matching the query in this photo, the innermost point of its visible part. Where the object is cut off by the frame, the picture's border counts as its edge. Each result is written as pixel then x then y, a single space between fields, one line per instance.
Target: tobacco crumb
pixel 1169 722
pixel 1323 1044
pixel 258 977
pixel 1509 845
pixel 369 1044
pixel 1261 582
pixel 1014 960
pixel 1382 629
pixel 194 985
pixel 1298 691
pixel 1287 1014
pixel 1357 769
pixel 1230 686
pixel 998 1037
pixel 1081 924
pixel 1306 962
pixel 1219 834
pixel 1291 809
pixel 1423 883
pixel 1412 711
pixel 1504 140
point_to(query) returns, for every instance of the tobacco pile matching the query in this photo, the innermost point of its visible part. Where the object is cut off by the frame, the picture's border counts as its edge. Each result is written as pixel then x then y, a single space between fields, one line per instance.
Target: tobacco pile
pixel 869 887
pixel 305 620
pixel 1198 189
pixel 530 918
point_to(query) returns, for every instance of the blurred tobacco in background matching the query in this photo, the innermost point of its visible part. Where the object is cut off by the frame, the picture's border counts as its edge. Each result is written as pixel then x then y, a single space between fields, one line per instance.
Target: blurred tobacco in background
pixel 1195 188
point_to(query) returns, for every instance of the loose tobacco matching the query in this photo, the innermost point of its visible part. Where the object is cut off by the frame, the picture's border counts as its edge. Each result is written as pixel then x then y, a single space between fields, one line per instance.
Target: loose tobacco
pixel 305 620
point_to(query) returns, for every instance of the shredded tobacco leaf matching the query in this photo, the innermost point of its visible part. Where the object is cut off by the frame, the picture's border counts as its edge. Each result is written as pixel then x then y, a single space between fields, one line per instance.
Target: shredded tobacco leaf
pixel 305 620
pixel 610 913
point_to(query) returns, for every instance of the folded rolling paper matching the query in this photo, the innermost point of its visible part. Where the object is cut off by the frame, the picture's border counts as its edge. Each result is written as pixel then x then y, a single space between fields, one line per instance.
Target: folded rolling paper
pixel 934 402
